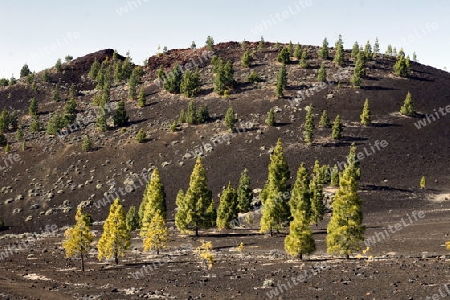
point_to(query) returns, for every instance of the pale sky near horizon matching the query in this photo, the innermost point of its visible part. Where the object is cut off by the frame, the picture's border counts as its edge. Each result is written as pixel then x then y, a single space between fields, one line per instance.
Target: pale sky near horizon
pixel 40 32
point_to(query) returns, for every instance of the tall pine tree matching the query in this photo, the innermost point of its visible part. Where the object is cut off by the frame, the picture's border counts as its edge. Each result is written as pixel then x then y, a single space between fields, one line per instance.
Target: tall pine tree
pixel 300 241
pixel 196 209
pixel 275 210
pixel 115 239
pixel 227 210
pixel 244 193
pixel 345 231
pixel 78 238
pixel 154 200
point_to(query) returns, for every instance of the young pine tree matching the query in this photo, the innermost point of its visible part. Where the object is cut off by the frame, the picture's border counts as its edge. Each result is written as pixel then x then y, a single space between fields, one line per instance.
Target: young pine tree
pixel 336 130
pixel 227 210
pixel 423 182
pixel 303 59
pixel 345 231
pixel 230 119
pixel 115 239
pixel 87 144
pixel 33 107
pixel 121 118
pixel 270 120
pixel 190 83
pixel 300 240
pixel 407 107
pixel 78 238
pixel 196 209
pixel 284 56
pixel 323 52
pixel 156 236
pixel 308 128
pixel 141 98
pixel 275 209
pixel 324 120
pixel 365 116
pixel 401 65
pixel 335 176
pixel 246 59
pixel 154 199
pixel 281 81
pixel 244 193
pixel 322 73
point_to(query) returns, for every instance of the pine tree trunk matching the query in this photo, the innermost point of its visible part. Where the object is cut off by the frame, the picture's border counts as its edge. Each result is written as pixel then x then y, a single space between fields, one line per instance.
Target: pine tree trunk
pixel 347 256
pixel 82 262
pixel 271 233
pixel 196 231
pixel 300 256
pixel 157 251
pixel 116 258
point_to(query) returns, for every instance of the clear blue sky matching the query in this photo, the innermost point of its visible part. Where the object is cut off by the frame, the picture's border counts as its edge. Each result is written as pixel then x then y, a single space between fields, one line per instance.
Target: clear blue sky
pixel 30 27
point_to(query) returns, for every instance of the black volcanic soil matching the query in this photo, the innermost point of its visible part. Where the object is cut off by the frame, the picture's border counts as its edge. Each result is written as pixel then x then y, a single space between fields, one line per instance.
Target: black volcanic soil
pixel 409 264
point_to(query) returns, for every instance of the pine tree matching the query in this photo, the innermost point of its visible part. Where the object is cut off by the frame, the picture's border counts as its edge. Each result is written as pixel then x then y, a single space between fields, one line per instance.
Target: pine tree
pixel 345 231
pixel 190 84
pixel 355 51
pixel 197 207
pixel 141 136
pixel 324 120
pixel 368 51
pixel 275 210
pixel 261 44
pixel 300 194
pixel 401 65
pixel 156 236
pixel 154 199
pixel 115 239
pixel 244 193
pixel 58 65
pixel 78 238
pixel 423 182
pixel 70 111
pixel 389 50
pixel 132 219
pixel 316 194
pixel 323 52
pixel 56 96
pixel 181 212
pixel 407 107
pixel 298 51
pixel 281 81
pixel 25 71
pixel 141 98
pixel 270 117
pixel 33 107
pixel 336 131
pixel 284 56
pixel 224 76
pixel 246 59
pixel 303 62
pixel 173 80
pixel 121 118
pixel 335 176
pixel 353 161
pixel 359 70
pixel 339 52
pixel 300 241
pixel 365 116
pixel 209 43
pixel 102 116
pixel 87 144
pixel 230 119
pixel 376 47
pixel 227 210
pixel 322 73
pixel 308 128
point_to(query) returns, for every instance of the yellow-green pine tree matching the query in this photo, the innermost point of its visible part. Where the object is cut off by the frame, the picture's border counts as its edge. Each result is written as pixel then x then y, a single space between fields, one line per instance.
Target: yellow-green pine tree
pixel 198 207
pixel 227 210
pixel 181 213
pixel 275 195
pixel 300 241
pixel 154 199
pixel 423 182
pixel 115 239
pixel 78 238
pixel 365 116
pixel 345 231
pixel 157 233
